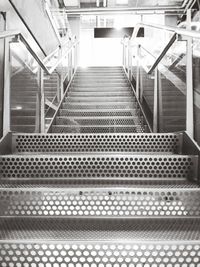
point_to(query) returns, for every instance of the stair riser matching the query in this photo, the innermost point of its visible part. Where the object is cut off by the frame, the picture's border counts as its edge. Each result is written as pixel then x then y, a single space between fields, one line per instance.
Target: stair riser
pixel 98 114
pixel 106 203
pixel 108 167
pixel 134 143
pixel 81 122
pixel 98 99
pixel 100 129
pixel 86 90
pixel 97 106
pixel 98 94
pixel 100 84
pixel 76 253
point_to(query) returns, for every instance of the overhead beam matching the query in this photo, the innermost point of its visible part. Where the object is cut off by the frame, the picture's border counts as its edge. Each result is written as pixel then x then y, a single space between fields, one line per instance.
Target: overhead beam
pixel 106 10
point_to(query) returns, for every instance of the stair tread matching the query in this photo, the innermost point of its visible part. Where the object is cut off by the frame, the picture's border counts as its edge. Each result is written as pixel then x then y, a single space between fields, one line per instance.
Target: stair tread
pixel 100 230
pixel 134 202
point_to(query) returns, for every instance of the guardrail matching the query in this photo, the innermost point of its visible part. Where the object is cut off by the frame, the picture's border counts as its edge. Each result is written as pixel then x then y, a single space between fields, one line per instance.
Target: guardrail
pixel 48 66
pixel 175 33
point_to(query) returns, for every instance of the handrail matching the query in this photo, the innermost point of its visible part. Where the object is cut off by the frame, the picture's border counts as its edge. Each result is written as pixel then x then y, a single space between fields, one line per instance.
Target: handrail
pixel 179 31
pixel 176 31
pixel 8 34
pixel 19 36
pixel 163 53
pixel 52 22
pixel 32 52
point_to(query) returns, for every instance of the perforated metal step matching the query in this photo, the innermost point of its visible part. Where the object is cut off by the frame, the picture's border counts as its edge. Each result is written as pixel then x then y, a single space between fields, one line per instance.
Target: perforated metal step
pixel 99 105
pixel 107 199
pixel 99 129
pixel 99 166
pixel 103 78
pixel 91 121
pixel 98 230
pixel 112 143
pixel 103 202
pixel 100 94
pixel 100 85
pixel 116 89
pixel 100 112
pixel 100 99
pixel 99 254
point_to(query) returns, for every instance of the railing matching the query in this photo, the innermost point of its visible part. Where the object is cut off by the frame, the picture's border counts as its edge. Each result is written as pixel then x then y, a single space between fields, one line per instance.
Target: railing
pixel 34 86
pixel 164 67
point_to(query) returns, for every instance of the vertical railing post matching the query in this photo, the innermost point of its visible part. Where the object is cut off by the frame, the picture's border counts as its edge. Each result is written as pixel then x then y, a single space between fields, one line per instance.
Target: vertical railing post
pixel 137 73
pixel 156 102
pixel 129 60
pixel 61 78
pixel 7 87
pixel 59 88
pixel 160 103
pixel 40 107
pixel 124 55
pixel 75 56
pixel 70 65
pixel 189 83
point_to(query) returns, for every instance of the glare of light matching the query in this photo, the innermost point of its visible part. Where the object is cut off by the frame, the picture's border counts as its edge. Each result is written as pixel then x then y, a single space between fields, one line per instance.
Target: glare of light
pixel 118 28
pixel 118 24
pixel 18 107
pixel 83 66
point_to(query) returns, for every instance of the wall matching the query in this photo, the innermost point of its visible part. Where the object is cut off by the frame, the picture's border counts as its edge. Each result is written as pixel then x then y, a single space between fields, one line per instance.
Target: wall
pixel 36 19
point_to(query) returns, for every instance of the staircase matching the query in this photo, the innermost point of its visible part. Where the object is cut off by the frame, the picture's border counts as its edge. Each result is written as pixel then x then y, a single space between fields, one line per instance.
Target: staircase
pixel 99 100
pixel 97 192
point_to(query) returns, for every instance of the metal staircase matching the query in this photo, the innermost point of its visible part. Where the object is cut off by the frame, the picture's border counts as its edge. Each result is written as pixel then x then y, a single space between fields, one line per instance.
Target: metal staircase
pixel 99 190
pixel 99 100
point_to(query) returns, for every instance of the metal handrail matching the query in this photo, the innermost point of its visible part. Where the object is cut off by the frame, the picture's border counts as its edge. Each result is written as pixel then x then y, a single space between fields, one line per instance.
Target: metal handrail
pixel 19 36
pixel 187 35
pixel 179 31
pixel 175 31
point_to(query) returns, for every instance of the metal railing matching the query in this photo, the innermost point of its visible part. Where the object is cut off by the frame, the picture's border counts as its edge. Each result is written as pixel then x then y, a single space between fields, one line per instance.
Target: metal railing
pixel 156 66
pixel 43 69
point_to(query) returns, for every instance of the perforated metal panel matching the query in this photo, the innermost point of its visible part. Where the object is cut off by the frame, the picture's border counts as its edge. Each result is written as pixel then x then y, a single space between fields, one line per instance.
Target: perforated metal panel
pixel 107 254
pixel 100 83
pixel 98 166
pixel 97 183
pixel 98 99
pixel 99 129
pixel 100 229
pixel 99 105
pixel 58 143
pixel 100 89
pixel 101 94
pixel 91 121
pixel 99 113
pixel 105 202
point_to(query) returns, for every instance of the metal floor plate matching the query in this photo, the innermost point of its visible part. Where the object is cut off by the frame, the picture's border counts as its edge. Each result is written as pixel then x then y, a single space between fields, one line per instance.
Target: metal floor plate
pixel 99 166
pixel 100 254
pixel 181 229
pixel 103 202
pixel 70 143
